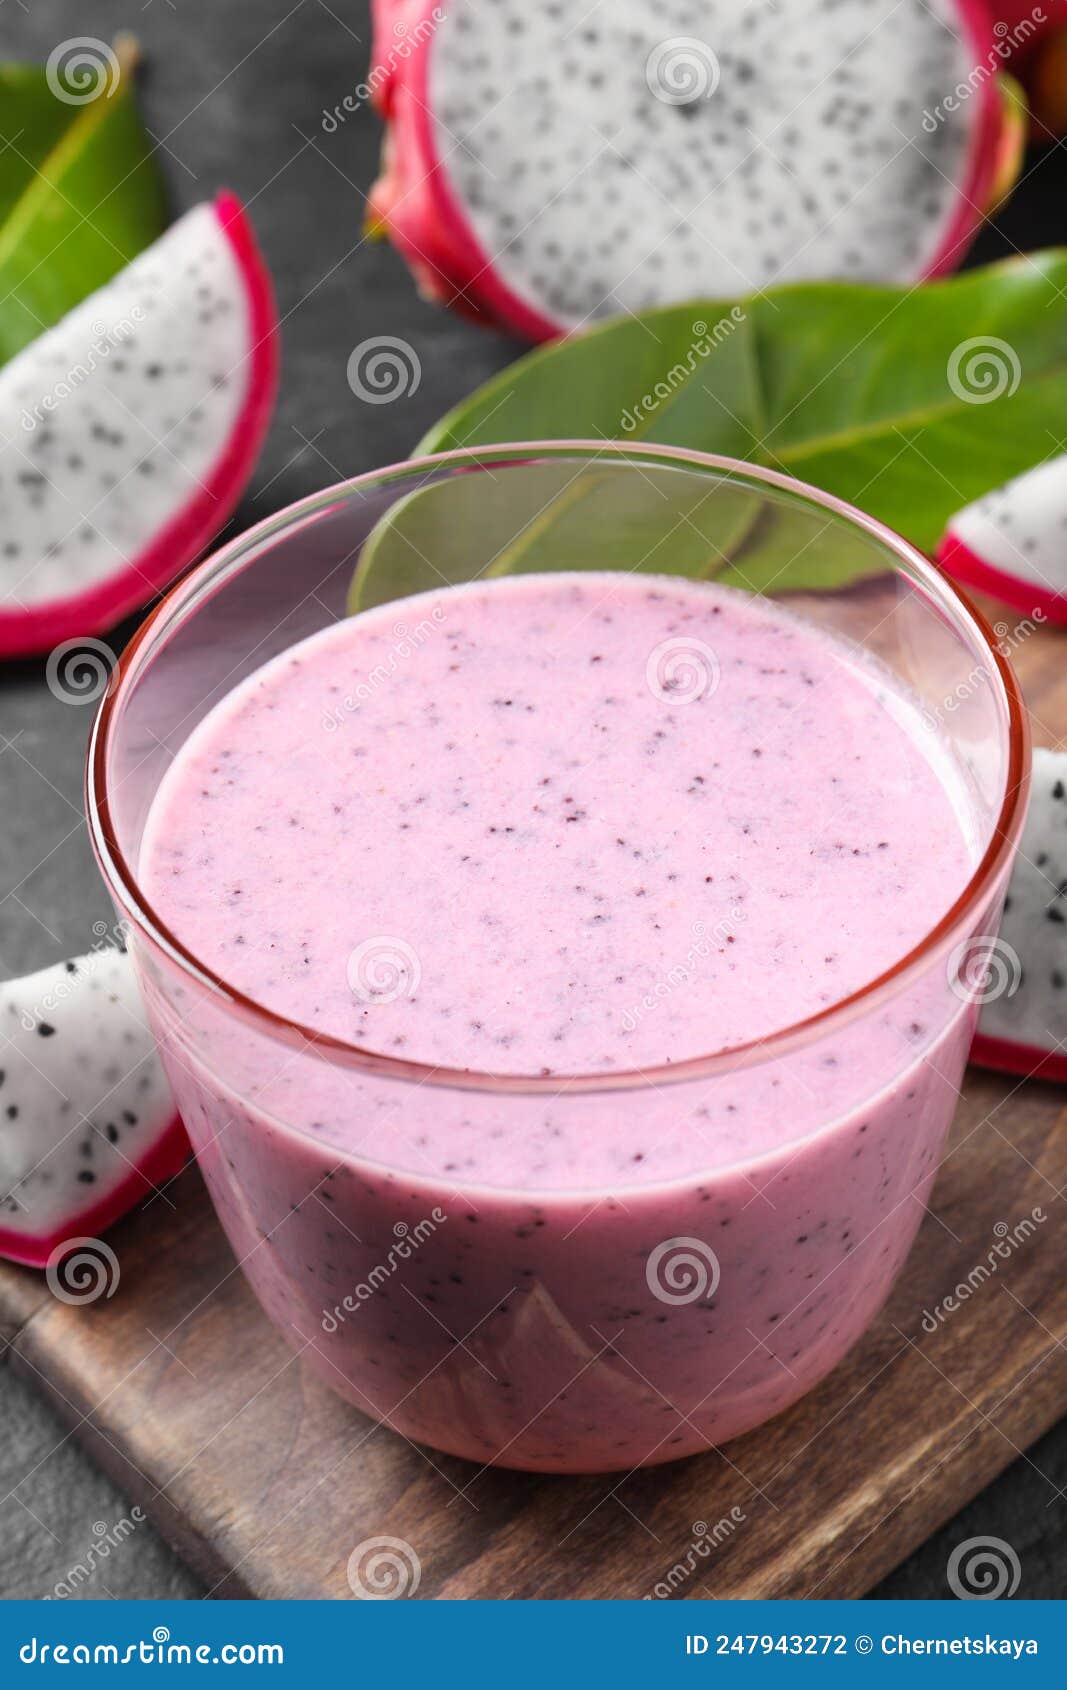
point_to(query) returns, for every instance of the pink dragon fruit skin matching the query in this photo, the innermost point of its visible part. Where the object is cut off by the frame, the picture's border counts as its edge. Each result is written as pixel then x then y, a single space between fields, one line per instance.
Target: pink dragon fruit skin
pixel 1012 543
pixel 416 200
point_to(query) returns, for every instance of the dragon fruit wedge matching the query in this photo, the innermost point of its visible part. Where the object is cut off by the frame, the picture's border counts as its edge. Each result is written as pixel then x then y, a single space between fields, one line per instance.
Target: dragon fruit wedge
pixel 1013 543
pixel 1022 1028
pixel 128 431
pixel 545 166
pixel 87 1123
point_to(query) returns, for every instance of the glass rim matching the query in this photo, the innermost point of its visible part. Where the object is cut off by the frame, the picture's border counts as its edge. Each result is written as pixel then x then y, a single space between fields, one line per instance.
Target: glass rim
pixel 226 561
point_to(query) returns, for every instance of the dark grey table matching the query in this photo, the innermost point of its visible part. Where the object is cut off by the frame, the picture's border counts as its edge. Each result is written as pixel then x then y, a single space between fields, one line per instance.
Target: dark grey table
pixel 234 92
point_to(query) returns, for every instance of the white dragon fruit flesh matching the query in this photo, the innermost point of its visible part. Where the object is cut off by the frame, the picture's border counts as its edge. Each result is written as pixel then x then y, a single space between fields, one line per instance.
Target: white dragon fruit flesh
pixel 88 1126
pixel 1013 543
pixel 1023 1024
pixel 545 166
pixel 128 431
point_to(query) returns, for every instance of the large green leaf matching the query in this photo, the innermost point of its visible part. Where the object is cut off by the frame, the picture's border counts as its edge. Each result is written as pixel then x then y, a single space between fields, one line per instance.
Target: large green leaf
pixel 553 515
pixel 906 402
pixel 80 195
pixel 848 387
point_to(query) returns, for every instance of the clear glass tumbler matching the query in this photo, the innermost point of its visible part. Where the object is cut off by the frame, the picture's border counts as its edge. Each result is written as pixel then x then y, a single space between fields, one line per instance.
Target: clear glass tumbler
pixel 567 1330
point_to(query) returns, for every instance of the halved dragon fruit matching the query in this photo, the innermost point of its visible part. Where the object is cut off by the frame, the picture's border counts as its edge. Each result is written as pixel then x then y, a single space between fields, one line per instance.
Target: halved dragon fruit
pixel 1022 1028
pixel 549 165
pixel 87 1123
pixel 1013 543
pixel 128 432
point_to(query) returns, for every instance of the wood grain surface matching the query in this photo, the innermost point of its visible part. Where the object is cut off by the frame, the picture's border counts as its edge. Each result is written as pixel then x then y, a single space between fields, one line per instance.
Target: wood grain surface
pixel 266 1482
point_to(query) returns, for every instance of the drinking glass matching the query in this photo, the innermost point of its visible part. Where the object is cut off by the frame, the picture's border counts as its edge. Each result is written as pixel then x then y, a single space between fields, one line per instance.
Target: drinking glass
pixel 567 1329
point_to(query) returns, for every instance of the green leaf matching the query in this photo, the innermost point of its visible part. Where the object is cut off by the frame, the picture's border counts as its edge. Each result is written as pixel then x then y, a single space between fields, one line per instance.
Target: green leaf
pixel 908 403
pixel 845 386
pixel 554 515
pixel 80 195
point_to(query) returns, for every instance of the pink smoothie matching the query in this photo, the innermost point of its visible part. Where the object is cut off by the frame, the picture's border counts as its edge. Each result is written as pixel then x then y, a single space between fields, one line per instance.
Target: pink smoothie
pixel 556 826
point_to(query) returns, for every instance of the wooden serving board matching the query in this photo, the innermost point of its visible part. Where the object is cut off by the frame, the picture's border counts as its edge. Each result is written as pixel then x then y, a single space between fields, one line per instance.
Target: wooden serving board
pixel 266 1482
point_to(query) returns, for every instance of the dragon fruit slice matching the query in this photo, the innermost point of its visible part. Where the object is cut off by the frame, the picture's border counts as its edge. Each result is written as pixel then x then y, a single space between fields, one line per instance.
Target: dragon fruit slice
pixel 128 431
pixel 1023 1027
pixel 87 1123
pixel 548 165
pixel 1013 543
